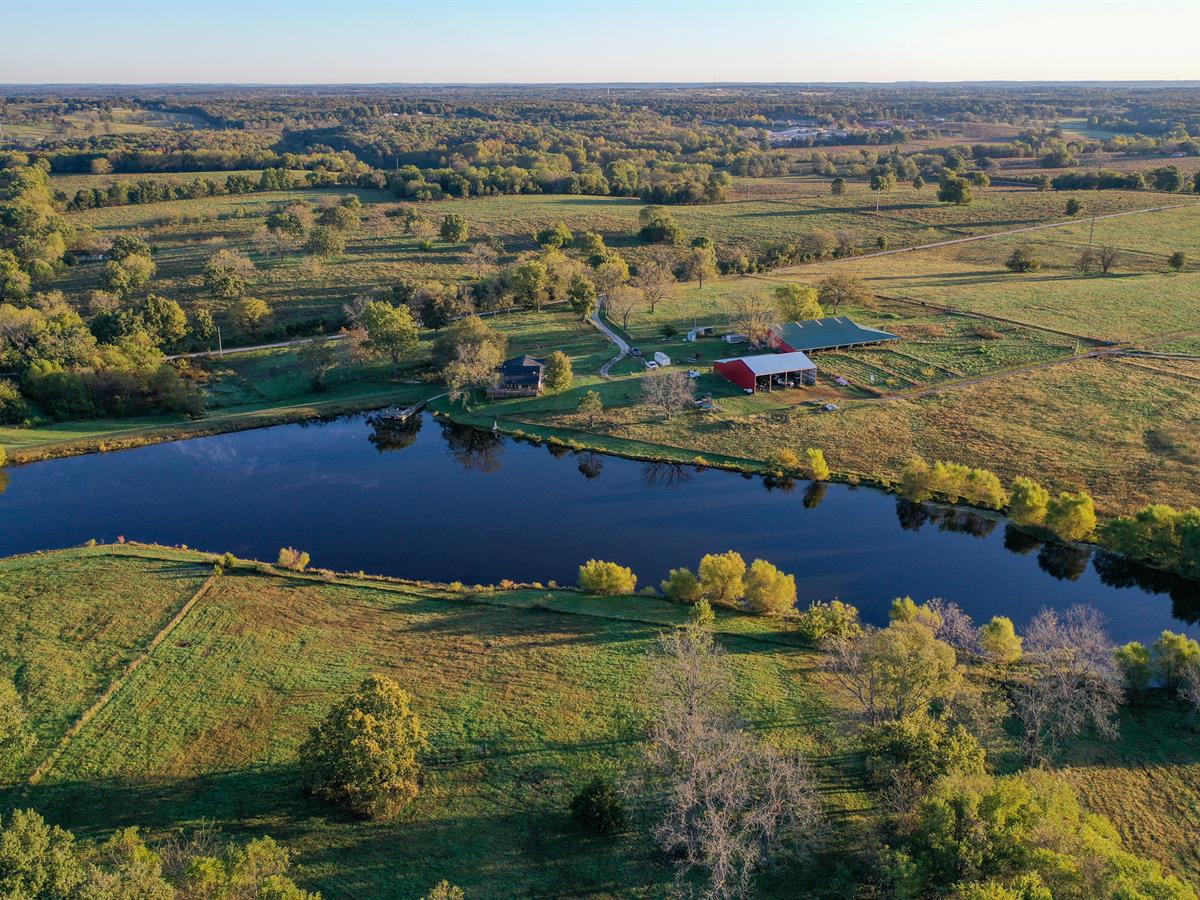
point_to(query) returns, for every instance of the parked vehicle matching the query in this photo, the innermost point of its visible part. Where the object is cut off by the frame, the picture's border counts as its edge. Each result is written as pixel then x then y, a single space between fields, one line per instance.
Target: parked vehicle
pixel 651 364
pixel 635 351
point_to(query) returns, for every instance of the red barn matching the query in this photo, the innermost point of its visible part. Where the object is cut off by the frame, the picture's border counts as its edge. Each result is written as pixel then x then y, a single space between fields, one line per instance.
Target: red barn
pixel 753 373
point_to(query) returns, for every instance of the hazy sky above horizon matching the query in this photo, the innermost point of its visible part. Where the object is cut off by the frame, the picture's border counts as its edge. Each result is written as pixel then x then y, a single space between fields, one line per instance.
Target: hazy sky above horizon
pixel 366 41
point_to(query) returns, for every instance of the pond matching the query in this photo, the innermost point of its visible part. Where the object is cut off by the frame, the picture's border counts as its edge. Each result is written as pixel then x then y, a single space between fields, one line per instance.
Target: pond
pixel 432 500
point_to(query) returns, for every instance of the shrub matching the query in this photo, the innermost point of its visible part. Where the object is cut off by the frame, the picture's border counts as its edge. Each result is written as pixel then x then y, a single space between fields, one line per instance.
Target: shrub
pixel 599 577
pixel 784 461
pixel 1133 659
pixel 598 807
pixel 1022 261
pixel 1000 641
pixel 444 890
pixel 916 479
pixel 818 469
pixel 13 408
pixel 291 558
pixel 228 561
pixel 701 614
pixel 916 751
pixel 364 754
pixel 1027 505
pixel 1071 516
pixel 722 577
pixel 681 586
pixel 833 621
pixel 905 609
pixel 1177 260
pixel 1173 653
pixel 769 590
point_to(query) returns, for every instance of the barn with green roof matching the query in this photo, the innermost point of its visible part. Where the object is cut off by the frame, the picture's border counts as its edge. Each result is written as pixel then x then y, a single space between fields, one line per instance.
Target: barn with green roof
pixel 831 333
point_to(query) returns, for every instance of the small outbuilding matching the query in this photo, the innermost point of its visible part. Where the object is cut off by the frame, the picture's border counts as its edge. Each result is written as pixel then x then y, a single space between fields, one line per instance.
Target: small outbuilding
pixel 830 333
pixel 521 376
pixel 756 373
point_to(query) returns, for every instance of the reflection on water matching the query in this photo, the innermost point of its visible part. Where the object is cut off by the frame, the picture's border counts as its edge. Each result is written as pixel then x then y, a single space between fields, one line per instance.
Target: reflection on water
pixel 590 465
pixel 1117 571
pixel 665 474
pixel 390 433
pixel 475 450
pixel 814 494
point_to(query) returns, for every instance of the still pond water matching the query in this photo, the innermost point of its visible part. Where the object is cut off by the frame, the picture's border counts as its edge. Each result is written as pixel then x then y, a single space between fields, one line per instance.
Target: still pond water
pixel 436 501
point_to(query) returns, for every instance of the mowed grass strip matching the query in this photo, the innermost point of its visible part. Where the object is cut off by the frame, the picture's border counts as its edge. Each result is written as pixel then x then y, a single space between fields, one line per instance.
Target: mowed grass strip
pixel 69 624
pixel 526 695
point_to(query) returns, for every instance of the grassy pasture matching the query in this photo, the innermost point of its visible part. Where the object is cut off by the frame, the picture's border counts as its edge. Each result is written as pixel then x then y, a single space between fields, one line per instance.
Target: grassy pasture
pixel 527 693
pixel 526 696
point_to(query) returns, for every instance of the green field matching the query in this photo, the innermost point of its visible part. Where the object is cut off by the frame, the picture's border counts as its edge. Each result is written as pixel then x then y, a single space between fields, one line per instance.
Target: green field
pixel 526 695
pixel 526 692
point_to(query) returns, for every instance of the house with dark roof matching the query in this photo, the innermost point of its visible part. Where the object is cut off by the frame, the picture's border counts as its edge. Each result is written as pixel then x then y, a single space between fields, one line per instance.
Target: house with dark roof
pixel 830 333
pixel 521 376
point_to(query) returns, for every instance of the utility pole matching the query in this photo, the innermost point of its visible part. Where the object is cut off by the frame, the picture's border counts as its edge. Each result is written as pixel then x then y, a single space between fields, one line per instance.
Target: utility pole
pixel 220 348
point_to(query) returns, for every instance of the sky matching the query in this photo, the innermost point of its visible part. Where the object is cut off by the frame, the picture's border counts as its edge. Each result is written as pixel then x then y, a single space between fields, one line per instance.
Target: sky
pixel 369 41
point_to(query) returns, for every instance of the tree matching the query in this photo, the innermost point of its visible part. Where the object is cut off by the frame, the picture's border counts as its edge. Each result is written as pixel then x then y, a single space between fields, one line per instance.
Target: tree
pixel 325 242
pixel 836 290
pixel 529 282
pixel 391 330
pixel 667 391
pixel 599 807
pixel 164 320
pixel 364 756
pixel 249 313
pixel 818 468
pixel 227 274
pixel 699 262
pixel 319 357
pixel 454 228
pixel 124 276
pixel 559 375
pixel 600 577
pixel 725 801
pixel 881 183
pixel 37 860
pixel 1073 206
pixel 1189 693
pixel 1027 504
pixel 953 189
pixel 701 615
pixel 918 182
pixel 1072 682
pixel 894 672
pixel 1134 662
pixel 1087 259
pixel 590 407
pixel 1107 258
pixel 658 226
pixel 654 278
pixel 484 257
pixel 837 187
pixel 833 621
pixel 753 316
pixel 463 333
pixel 999 641
pixel 339 218
pixel 473 368
pixel 1174 654
pixel 681 586
pixel 1071 516
pixel 1177 261
pixel 769 590
pixel 797 302
pixel 622 301
pixel 723 577
pixel 581 294
pixel 556 235
pixel 1021 260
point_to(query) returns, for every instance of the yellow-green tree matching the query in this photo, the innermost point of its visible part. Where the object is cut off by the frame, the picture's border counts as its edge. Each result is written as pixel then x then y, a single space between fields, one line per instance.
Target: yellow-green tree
pixel 365 754
pixel 818 468
pixel 559 374
pixel 769 590
pixel 1000 641
pixel 797 302
pixel 1071 516
pixel 682 586
pixel 601 577
pixel 722 577
pixel 1027 504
